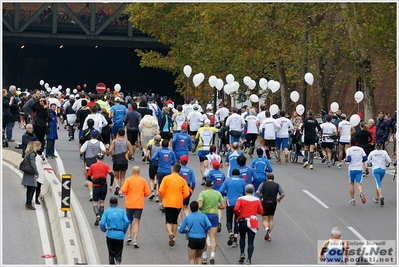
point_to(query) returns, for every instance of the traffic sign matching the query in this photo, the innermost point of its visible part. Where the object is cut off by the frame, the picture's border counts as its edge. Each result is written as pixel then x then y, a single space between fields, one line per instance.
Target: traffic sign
pixel 100 88
pixel 66 192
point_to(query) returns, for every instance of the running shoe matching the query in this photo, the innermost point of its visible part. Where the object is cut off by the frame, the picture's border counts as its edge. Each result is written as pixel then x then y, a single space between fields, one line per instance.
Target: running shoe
pixel 362 198
pixel 204 260
pixel 143 159
pixel 286 159
pixel 364 174
pixel 152 195
pixel 120 195
pixel 116 191
pixel 328 164
pixel 267 234
pixel 269 239
pixel 275 154
pixel 203 181
pixel 382 201
pixel 305 164
pixel 135 244
pixel 86 183
pixel 352 202
pixel 375 199
pixel 97 222
pixel 310 167
pixel 235 244
pixel 156 199
pixel 172 239
pixel 107 152
pixel 91 198
pixel 212 261
pixel 339 165
pixel 324 159
pixel 367 171
pixel 231 238
pixel 242 258
pixel 129 240
pixel 248 262
pixel 219 227
pixel 278 161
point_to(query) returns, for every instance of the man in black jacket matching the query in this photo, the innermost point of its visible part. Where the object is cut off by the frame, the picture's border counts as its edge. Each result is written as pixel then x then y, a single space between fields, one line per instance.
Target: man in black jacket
pixel 27 108
pixel 382 129
pixel 27 137
pixel 14 112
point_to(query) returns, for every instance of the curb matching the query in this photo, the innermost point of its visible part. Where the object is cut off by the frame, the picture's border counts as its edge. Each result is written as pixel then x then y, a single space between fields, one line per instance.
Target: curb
pixel 63 230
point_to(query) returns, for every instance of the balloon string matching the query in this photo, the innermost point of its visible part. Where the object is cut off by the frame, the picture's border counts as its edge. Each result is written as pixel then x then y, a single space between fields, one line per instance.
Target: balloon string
pixel 350 114
pixel 311 103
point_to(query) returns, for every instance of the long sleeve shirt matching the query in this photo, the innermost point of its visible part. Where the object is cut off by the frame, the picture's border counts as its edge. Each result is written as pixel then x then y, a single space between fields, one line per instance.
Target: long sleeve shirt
pixel 173 190
pixel 188 174
pixel 196 225
pixel 233 188
pixel 135 188
pixel 166 159
pixel 115 222
pixel 248 206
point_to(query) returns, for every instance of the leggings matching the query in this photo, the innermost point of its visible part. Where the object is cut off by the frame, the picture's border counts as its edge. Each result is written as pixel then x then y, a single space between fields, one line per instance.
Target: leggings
pixel 378 176
pixel 115 248
pixel 251 139
pixel 229 219
pixel 244 230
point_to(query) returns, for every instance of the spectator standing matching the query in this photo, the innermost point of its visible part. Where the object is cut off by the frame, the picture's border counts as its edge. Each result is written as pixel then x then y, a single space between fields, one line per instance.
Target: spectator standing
pixel 29 180
pixel 40 159
pixel 41 118
pixel 52 135
pixel 27 137
pixel 382 129
pixel 14 112
pixel 373 131
pixel 115 222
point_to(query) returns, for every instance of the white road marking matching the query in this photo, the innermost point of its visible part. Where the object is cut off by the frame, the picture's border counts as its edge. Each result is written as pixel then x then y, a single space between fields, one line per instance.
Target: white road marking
pixel 315 198
pixel 356 233
pixel 40 220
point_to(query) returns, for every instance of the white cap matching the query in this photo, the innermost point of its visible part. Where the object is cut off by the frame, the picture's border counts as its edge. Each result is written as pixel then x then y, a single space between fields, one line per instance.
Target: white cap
pixel 117 99
pixel 208 106
pixel 207 121
pixel 170 106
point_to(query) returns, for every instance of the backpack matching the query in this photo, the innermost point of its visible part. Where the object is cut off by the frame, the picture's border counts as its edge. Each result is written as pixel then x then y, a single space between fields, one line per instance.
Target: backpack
pixel 211 119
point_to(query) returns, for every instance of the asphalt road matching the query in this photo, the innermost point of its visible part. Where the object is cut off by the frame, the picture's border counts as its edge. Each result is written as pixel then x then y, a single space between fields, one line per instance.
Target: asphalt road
pixel 316 201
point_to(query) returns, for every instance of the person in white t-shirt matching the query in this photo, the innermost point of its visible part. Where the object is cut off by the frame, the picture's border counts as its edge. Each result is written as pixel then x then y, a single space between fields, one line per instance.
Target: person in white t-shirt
pixel 345 131
pixel 195 121
pixel 355 155
pixel 261 117
pixel 328 129
pixel 282 135
pixel 379 159
pixel 235 123
pixel 222 112
pixel 269 127
pixel 252 130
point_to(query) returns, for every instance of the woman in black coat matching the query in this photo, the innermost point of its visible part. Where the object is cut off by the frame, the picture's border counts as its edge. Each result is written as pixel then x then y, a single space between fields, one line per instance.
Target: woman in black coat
pixel 41 118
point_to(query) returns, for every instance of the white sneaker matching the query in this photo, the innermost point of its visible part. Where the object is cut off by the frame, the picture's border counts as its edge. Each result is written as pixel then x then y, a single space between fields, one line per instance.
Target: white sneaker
pixel 352 202
pixel 375 199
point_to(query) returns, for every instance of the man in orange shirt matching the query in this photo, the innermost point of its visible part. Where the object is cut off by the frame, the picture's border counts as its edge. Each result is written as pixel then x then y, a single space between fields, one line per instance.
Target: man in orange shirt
pixel 135 189
pixel 173 190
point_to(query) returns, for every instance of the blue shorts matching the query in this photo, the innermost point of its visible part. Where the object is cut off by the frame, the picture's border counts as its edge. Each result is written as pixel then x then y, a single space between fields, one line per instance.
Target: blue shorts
pixel 116 127
pixel 378 176
pixel 213 218
pixel 262 134
pixel 343 143
pixel 355 176
pixel 234 139
pixel 178 154
pixel 280 141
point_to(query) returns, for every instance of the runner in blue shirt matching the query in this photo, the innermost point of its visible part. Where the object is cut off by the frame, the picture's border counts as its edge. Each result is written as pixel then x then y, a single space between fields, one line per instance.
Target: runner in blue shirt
pixel 231 158
pixel 188 174
pixel 118 112
pixel 181 142
pixel 246 173
pixel 261 166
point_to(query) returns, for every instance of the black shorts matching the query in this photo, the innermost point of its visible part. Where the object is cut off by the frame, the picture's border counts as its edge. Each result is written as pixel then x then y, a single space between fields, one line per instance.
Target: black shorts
pixel 186 201
pixel 201 159
pixel 327 145
pixel 166 135
pixel 99 192
pixel 193 133
pixel 310 140
pixel 160 176
pixel 132 136
pixel 269 208
pixel 196 243
pixel 171 215
pixel 152 172
pixel 119 167
pixel 270 143
pixel 133 213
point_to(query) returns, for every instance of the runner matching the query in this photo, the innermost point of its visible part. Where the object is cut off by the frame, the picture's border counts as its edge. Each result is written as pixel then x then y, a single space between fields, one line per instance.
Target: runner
pixel 268 129
pixel 188 174
pixel 246 173
pixel 231 158
pixel 355 155
pixel 282 136
pixel 334 249
pixel 345 131
pixel 181 142
pixel 195 120
pixel 204 139
pixel 309 129
pixel 153 146
pixel 209 159
pixel 261 166
pixel 328 130
pixel 252 124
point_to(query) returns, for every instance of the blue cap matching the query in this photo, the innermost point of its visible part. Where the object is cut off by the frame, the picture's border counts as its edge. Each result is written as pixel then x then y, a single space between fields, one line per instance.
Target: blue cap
pixel 94 133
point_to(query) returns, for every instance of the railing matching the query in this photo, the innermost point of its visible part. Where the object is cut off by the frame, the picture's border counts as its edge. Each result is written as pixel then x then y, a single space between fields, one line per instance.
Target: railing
pixel 63 18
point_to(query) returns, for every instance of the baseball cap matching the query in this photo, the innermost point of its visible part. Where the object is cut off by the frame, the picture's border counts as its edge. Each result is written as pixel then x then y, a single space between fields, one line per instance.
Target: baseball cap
pixel 170 106
pixel 184 126
pixel 117 99
pixel 100 156
pixel 209 182
pixel 94 133
pixel 343 115
pixel 216 164
pixel 209 107
pixel 207 121
pixel 184 159
pixel 195 107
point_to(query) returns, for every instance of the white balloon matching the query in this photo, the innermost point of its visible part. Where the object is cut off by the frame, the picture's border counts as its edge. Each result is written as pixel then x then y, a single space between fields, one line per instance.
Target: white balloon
pixel 309 78
pixel 48 89
pixel 229 78
pixel 77 95
pixel 263 83
pixel 294 96
pixel 354 120
pixel 219 84
pixel 53 88
pixel 227 89
pixel 212 80
pixel 201 76
pixel 300 109
pixel 187 70
pixel 59 87
pixel 334 106
pixel 273 109
pixel 117 87
pixel 252 85
pixel 359 96
pixel 254 98
pixel 247 80
pixel 275 86
pixel 270 84
pixel 234 86
pixel 46 85
pixel 75 91
pixel 196 80
pixel 68 90
pixel 41 82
